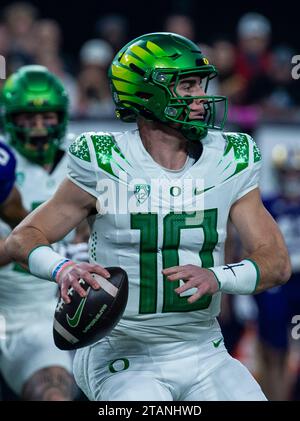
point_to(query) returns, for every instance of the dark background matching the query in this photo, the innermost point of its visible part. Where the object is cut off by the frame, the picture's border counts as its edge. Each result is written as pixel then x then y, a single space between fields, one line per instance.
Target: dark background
pixel 211 17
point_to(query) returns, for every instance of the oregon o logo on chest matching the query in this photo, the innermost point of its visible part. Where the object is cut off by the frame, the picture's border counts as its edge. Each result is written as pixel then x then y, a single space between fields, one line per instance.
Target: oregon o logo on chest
pixel 175 191
pixel 118 365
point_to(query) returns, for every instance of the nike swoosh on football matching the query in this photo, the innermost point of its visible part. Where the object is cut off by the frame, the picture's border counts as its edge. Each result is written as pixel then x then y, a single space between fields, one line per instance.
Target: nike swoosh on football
pixel 74 321
pixel 217 343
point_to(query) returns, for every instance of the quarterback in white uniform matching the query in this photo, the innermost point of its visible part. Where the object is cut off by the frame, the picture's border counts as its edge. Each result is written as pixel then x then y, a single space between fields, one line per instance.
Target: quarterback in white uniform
pixel 164 194
pixel 35 112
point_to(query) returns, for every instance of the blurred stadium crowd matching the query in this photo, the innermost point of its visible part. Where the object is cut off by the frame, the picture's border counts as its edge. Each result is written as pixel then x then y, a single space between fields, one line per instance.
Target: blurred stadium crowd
pixel 255 75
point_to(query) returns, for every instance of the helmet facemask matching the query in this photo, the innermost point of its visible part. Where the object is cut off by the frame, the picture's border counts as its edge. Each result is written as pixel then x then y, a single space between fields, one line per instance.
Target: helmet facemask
pixel 34 90
pixel 178 108
pixel 37 146
pixel 144 79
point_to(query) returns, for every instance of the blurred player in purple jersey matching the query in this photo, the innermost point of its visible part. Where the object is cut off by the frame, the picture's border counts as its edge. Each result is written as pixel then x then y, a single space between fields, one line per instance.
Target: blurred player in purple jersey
pixel 11 208
pixel 278 305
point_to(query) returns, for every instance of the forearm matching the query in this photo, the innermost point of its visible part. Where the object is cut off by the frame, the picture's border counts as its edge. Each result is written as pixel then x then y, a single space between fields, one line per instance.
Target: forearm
pixel 22 240
pixel 274 267
pixel 262 269
pixel 4 258
pixel 50 222
pixel 262 241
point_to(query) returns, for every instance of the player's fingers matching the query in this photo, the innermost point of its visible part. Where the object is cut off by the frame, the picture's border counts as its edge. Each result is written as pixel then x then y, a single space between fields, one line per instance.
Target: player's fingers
pixel 100 270
pixel 76 285
pixel 187 285
pixel 64 293
pixel 88 277
pixel 200 292
pixel 172 270
pixel 179 275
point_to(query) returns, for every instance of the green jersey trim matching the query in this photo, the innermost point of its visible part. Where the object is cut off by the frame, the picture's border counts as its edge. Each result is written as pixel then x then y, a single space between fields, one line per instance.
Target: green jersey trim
pixel 256 152
pixel 105 146
pixel 239 144
pixel 80 149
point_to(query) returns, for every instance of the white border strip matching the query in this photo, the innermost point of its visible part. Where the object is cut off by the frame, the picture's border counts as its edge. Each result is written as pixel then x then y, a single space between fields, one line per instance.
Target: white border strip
pixel 106 285
pixel 64 333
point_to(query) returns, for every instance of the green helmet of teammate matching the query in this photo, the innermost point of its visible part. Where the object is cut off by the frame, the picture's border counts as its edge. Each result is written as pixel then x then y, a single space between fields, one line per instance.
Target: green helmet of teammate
pixel 33 89
pixel 144 76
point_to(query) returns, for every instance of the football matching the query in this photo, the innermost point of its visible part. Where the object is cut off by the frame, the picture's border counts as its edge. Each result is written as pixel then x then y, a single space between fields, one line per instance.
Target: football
pixel 85 320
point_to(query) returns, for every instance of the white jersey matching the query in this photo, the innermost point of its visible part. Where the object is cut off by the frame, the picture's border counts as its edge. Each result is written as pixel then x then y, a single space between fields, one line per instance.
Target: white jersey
pixel 151 219
pixel 18 288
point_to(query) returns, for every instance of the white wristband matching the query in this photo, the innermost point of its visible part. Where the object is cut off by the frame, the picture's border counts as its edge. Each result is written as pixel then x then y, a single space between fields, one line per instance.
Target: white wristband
pixel 44 262
pixel 237 278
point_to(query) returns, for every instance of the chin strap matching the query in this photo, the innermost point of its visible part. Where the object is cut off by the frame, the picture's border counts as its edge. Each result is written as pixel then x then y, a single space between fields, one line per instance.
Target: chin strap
pixel 193 132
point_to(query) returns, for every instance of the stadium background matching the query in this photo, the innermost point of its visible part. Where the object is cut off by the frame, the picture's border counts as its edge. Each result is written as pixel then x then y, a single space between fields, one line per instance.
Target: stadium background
pixel 80 22
pixel 78 19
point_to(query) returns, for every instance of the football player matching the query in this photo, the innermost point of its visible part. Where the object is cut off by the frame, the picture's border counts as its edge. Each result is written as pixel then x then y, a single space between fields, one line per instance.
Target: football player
pixel 11 208
pixel 35 119
pixel 164 193
pixel 277 306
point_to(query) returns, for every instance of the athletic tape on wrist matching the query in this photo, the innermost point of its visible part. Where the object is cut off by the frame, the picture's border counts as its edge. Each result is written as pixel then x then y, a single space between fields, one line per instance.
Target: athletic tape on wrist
pixel 237 278
pixel 42 261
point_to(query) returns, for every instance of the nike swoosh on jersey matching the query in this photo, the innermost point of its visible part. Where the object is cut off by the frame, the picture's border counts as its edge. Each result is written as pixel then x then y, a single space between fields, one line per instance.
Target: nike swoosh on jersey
pixel 74 321
pixel 217 343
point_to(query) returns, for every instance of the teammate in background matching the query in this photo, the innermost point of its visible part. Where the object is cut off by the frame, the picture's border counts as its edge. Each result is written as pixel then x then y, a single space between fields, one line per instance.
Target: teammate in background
pixel 168 345
pixel 277 306
pixel 35 119
pixel 11 208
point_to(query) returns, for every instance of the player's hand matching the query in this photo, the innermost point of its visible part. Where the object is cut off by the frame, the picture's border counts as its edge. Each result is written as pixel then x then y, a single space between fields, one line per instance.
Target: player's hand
pixel 194 277
pixel 69 278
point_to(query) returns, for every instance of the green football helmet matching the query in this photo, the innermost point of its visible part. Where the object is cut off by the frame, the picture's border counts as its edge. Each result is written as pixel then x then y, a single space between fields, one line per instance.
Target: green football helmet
pixel 33 89
pixel 144 76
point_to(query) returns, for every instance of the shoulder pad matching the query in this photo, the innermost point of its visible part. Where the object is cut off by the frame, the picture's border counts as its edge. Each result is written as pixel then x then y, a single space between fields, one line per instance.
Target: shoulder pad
pixel 102 148
pixel 80 149
pixel 243 149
